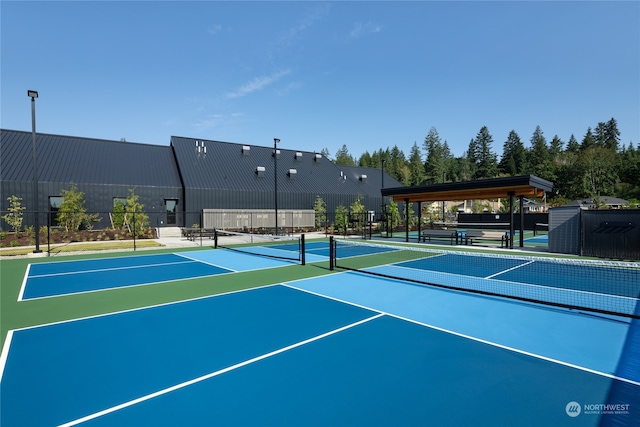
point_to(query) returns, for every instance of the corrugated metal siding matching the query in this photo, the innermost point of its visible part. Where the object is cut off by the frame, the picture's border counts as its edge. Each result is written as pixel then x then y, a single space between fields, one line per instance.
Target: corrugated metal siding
pixel 226 178
pixel 100 169
pixel 226 167
pixel 564 230
pixel 84 160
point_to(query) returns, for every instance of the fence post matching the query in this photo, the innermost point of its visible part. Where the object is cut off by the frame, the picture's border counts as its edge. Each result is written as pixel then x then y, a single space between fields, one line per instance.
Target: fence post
pixel 134 228
pixel 332 253
pixel 48 234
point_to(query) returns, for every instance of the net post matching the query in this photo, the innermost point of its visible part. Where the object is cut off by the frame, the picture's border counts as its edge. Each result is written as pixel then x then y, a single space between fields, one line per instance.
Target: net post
pixel 302 249
pixel 215 238
pixel 332 253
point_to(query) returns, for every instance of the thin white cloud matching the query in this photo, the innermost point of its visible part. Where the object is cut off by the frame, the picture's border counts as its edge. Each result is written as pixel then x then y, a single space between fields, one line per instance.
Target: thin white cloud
pixel 217 120
pixel 257 83
pixel 292 34
pixel 360 30
pixel 290 87
pixel 215 29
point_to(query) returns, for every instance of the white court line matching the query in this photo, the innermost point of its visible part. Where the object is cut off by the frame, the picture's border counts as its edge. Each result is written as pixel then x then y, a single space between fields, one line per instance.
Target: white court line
pixel 207 263
pixel 216 373
pixel 5 353
pixel 469 337
pixel 24 282
pixel 188 261
pixel 99 270
pixel 509 269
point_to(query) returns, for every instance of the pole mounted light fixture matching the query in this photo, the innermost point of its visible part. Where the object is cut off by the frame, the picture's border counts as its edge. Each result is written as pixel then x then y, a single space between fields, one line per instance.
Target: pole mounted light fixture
pixel 36 223
pixel 275 178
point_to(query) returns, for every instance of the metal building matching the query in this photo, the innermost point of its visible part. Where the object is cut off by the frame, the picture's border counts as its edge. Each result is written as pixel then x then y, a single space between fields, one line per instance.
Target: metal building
pixel 176 182
pixel 223 175
pixel 102 170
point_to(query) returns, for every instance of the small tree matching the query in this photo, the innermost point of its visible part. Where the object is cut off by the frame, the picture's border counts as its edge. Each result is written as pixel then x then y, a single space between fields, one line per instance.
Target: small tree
pixel 342 215
pixel 320 210
pixel 117 217
pixel 394 214
pixel 357 213
pixel 72 213
pixel 15 215
pixel 134 215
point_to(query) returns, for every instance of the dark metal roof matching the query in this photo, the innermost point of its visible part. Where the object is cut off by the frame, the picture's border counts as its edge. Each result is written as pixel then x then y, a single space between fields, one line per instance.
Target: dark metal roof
pixel 526 185
pixel 369 180
pixel 85 161
pixel 227 166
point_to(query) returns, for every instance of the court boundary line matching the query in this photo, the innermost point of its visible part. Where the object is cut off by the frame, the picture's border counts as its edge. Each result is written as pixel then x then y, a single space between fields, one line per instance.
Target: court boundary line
pixel 5 352
pixel 208 263
pixel 125 286
pixel 23 286
pixel 228 271
pixel 219 372
pixel 508 270
pixel 469 337
pixel 28 270
pixel 99 270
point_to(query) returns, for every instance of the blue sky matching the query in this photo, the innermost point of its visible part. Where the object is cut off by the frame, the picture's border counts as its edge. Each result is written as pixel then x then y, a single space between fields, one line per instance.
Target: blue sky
pixel 319 75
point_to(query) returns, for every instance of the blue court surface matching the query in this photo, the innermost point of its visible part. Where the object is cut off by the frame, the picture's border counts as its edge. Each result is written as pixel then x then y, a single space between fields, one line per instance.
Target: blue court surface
pixel 70 277
pixel 297 354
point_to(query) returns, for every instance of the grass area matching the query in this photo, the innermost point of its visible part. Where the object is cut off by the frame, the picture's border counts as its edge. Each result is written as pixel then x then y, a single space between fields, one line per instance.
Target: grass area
pixel 82 247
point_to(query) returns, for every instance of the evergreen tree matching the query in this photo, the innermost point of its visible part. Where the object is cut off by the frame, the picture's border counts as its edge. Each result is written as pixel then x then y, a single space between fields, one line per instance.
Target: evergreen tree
pixel 572 145
pixel 539 154
pixel 365 160
pixel 416 168
pixel 448 162
pixel 555 148
pixel 514 156
pixel 486 159
pixel 611 138
pixel 435 165
pixel 397 163
pixel 588 141
pixel 343 157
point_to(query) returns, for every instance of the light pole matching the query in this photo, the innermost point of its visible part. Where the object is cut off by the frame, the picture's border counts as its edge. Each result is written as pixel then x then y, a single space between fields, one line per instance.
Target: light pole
pixel 384 205
pixel 33 95
pixel 275 178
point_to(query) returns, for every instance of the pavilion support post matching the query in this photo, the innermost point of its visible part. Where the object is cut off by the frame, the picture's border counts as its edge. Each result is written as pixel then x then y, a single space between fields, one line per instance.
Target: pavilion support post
pixel 419 220
pixel 406 219
pixel 522 221
pixel 511 220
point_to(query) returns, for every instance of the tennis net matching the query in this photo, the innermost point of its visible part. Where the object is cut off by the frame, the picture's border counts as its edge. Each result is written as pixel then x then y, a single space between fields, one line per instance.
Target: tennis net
pixel 606 287
pixel 264 245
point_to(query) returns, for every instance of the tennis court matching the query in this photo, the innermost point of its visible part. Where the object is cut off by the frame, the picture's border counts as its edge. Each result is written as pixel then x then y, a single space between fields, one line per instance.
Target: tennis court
pixel 329 348
pixel 64 278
